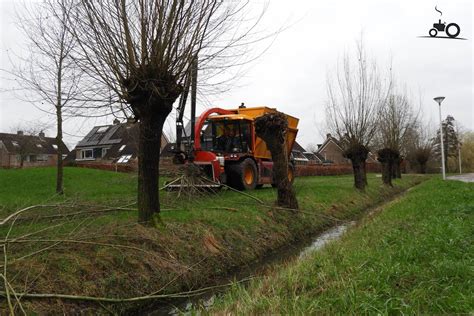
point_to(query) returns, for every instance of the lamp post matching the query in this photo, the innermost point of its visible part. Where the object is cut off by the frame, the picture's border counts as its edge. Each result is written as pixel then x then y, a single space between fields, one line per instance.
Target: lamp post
pixel 439 100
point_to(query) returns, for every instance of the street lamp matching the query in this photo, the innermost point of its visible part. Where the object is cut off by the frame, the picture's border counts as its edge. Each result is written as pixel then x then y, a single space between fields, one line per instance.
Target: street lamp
pixel 439 100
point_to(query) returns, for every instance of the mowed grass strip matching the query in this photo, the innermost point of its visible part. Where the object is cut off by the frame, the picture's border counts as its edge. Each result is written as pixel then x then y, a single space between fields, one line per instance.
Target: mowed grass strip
pixel 417 256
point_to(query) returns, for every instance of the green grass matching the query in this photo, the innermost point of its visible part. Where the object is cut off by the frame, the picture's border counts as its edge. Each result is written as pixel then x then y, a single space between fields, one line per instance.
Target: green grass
pixel 416 257
pixel 198 239
pixel 23 187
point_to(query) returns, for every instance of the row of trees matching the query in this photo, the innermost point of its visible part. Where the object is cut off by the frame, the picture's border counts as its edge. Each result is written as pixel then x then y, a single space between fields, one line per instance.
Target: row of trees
pixel 368 110
pixel 133 58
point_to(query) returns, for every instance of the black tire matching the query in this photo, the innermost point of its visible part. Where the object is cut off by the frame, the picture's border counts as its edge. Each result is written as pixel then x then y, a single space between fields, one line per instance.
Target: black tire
pixel 458 30
pixel 433 32
pixel 243 175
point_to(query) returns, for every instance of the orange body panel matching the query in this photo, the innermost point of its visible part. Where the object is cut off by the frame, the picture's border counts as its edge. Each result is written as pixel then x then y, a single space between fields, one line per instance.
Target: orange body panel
pixel 259 147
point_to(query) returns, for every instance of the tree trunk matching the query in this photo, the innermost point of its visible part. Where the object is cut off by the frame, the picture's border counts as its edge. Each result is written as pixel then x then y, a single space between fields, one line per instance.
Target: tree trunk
pixel 286 192
pixel 149 145
pixel 359 174
pixel 387 173
pixel 364 171
pixel 393 170
pixel 151 101
pixel 59 120
pixel 398 170
pixel 272 128
pixel 422 168
pixel 60 164
pixel 357 153
pixel 390 160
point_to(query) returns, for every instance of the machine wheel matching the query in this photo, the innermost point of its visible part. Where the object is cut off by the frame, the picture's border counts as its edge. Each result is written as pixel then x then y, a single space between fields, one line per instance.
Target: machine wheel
pixel 451 25
pixel 433 32
pixel 243 175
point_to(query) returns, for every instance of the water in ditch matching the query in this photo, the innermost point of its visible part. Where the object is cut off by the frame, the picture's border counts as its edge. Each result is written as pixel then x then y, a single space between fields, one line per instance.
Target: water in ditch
pixel 294 252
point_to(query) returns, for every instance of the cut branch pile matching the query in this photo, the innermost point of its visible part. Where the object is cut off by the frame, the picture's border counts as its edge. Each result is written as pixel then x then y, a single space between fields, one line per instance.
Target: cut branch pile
pixel 192 182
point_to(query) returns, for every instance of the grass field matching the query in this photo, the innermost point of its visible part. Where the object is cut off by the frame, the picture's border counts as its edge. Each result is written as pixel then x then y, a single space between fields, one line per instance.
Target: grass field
pixel 88 242
pixel 416 257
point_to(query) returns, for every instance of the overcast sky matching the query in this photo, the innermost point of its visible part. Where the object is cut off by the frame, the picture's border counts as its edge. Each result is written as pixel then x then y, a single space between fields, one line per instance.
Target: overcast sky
pixel 291 75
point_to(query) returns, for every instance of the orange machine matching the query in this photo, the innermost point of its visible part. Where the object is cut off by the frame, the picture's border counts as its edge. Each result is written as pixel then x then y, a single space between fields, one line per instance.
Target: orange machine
pixel 226 148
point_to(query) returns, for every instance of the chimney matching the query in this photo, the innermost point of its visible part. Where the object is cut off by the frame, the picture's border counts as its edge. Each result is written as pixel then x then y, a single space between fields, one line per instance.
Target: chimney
pixel 19 132
pixel 116 121
pixel 41 134
pixel 328 135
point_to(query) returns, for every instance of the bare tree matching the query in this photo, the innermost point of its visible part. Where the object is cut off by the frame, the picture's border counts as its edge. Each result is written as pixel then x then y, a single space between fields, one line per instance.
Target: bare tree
pixel 420 144
pixel 273 128
pixel 396 118
pixel 467 151
pixel 141 51
pixel 48 77
pixel 353 106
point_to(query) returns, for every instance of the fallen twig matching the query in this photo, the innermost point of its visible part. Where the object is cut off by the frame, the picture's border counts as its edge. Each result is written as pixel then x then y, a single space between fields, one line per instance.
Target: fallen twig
pixel 87 243
pixel 126 300
pixel 8 218
pixel 223 208
pixel 170 183
pixel 12 309
pixel 115 209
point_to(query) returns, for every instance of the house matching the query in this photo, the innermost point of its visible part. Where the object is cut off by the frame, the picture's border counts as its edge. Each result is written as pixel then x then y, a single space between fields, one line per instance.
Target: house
pixel 297 154
pixel 313 158
pixel 110 144
pixel 19 150
pixel 331 151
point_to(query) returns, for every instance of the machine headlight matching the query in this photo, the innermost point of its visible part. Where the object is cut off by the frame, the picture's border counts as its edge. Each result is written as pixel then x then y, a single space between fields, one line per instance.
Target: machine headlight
pixel 221 160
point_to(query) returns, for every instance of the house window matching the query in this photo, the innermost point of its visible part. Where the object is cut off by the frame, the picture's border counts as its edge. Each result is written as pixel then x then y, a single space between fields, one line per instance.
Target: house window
pixel 97 153
pixel 104 152
pixel 42 158
pixel 87 154
pixel 124 159
pixel 15 143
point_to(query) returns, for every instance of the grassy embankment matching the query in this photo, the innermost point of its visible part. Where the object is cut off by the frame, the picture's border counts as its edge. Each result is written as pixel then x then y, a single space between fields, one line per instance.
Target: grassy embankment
pixel 416 257
pixel 74 246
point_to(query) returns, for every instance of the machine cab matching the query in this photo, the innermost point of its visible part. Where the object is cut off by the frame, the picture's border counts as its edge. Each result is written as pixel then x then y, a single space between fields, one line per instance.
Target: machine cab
pixel 227 136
